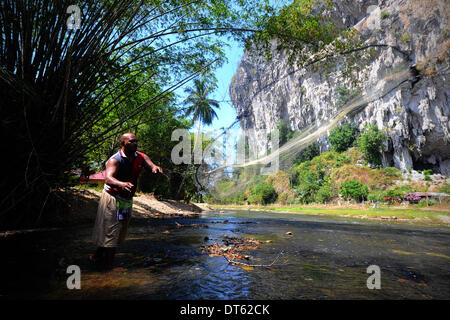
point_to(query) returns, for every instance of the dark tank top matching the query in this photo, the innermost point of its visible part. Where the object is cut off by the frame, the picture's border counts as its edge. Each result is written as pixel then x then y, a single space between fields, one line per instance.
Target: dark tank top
pixel 128 171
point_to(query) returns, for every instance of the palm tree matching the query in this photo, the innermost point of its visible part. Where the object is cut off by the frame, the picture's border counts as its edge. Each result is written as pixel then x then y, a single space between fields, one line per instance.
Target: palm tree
pixel 202 109
pixel 201 106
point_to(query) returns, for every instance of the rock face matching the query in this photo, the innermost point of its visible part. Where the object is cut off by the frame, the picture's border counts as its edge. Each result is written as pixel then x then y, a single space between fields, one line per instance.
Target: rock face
pixel 414 113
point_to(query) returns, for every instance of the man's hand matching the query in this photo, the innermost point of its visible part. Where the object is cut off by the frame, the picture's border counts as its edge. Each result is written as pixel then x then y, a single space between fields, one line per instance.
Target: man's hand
pixel 127 186
pixel 151 166
pixel 157 169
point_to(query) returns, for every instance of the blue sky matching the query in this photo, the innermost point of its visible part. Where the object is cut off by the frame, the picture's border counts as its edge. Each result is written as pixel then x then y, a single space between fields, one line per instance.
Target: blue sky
pixel 226 114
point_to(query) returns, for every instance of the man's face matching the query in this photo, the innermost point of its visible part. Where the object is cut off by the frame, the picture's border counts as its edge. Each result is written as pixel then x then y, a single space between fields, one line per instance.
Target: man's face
pixel 131 143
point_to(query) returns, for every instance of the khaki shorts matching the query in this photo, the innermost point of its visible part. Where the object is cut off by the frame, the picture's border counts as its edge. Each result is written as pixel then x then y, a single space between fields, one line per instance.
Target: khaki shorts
pixel 108 231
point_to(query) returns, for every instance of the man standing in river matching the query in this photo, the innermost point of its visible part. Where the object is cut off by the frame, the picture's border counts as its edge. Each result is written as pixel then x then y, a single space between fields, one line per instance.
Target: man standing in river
pixel 115 206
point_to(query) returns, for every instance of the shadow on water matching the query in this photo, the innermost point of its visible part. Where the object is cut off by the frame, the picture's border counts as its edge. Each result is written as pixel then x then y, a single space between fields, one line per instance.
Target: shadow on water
pixel 321 258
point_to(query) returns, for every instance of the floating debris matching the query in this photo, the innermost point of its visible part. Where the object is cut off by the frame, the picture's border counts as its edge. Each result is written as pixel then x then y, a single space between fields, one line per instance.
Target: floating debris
pixel 193 225
pixel 231 222
pixel 233 248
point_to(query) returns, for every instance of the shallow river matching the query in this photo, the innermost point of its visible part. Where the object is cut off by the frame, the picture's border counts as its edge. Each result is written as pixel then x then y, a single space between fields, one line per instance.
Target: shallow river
pixel 323 259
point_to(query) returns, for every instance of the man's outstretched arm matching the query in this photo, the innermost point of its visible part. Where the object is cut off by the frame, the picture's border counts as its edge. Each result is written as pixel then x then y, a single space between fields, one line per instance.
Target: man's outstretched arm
pixel 150 165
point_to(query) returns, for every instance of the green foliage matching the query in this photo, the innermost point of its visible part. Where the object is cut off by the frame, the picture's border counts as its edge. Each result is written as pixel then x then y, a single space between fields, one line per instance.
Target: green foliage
pixel 324 194
pixel 445 188
pixel 354 155
pixel 375 195
pixel 340 160
pixel 427 174
pixel 370 143
pixel 239 198
pixel 345 95
pixel 200 106
pixel 303 29
pixel 342 137
pixel 81 89
pixel 307 179
pixel 404 189
pixel 392 172
pixel 262 193
pixel 405 38
pixel 393 193
pixel 426 203
pixel 384 15
pixel 227 192
pixel 309 153
pixel 285 133
pixel 354 189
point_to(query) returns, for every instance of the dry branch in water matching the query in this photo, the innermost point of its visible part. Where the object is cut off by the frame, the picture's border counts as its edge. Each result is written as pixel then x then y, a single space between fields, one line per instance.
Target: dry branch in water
pixel 235 249
pixel 256 265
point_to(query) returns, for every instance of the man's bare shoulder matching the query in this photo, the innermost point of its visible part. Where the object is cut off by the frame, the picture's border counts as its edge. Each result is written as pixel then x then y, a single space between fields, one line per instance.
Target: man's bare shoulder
pixel 112 162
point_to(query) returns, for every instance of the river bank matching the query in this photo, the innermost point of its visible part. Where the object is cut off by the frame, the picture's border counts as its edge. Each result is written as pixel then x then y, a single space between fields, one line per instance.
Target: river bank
pixel 81 209
pixel 144 205
pixel 147 206
pixel 431 216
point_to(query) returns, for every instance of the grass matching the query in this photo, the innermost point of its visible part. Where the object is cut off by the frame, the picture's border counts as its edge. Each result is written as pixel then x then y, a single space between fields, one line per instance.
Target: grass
pixel 409 214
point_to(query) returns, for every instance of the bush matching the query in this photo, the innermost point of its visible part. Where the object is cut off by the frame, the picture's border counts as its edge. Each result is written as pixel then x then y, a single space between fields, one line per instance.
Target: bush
pixel 324 194
pixel 309 153
pixel 375 196
pixel 285 133
pixel 307 182
pixel 239 198
pixel 341 159
pixel 424 203
pixel 262 193
pixel 427 173
pixel 354 189
pixel 393 172
pixel 370 143
pixel 343 137
pixel 445 188
pixel 393 193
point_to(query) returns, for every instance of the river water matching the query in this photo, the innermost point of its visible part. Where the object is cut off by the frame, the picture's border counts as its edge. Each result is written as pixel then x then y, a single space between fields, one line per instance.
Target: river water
pixel 322 258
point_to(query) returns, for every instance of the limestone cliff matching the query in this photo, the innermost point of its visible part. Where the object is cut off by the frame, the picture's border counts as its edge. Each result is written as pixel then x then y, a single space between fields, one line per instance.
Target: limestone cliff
pixel 415 115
